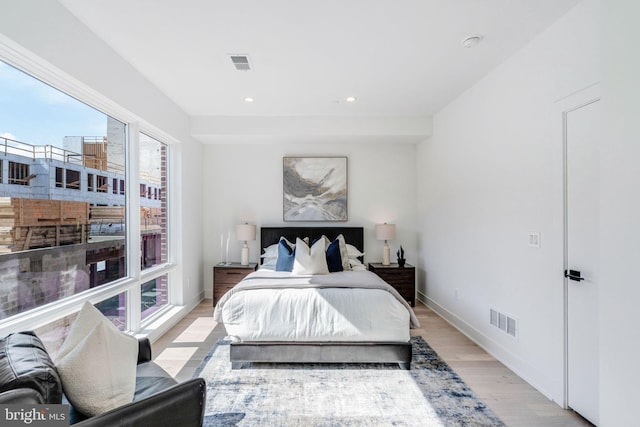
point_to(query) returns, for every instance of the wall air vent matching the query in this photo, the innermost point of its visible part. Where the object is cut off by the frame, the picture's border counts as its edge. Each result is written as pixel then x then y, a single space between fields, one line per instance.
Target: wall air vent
pixel 504 322
pixel 241 62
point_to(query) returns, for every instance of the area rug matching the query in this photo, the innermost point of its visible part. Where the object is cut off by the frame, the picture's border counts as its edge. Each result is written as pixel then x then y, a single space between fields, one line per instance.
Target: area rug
pixel 267 394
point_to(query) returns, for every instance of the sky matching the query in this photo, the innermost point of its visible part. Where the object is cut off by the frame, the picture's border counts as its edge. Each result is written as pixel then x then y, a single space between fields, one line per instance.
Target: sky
pixel 35 113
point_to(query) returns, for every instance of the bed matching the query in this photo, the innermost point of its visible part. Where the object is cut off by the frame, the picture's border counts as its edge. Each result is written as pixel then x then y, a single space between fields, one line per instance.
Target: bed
pixel 356 316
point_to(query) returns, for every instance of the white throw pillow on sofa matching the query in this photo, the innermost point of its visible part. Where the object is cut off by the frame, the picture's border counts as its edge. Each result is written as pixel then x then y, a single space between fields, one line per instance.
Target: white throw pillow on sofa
pixel 97 363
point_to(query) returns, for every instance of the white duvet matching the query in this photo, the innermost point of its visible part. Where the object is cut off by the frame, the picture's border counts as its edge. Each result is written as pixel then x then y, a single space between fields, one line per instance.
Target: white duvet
pixel 344 306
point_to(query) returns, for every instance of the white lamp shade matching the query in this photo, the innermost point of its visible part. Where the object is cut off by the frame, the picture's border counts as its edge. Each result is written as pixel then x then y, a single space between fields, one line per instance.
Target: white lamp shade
pixel 385 231
pixel 246 232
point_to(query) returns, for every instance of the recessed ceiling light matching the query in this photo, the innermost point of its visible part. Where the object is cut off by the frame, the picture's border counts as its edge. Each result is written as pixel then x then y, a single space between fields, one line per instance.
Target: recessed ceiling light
pixel 351 99
pixel 248 99
pixel 471 41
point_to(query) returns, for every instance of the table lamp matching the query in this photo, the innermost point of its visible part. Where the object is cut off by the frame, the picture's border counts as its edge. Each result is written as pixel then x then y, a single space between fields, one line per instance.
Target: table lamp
pixel 385 232
pixel 245 232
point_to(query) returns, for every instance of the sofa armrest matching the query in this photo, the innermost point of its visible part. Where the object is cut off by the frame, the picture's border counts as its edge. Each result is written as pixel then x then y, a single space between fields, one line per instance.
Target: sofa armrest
pixel 144 350
pixel 27 396
pixel 181 405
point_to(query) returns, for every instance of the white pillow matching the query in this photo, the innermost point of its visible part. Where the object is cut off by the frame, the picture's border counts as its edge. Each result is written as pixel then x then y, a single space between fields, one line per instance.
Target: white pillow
pixel 270 252
pixel 344 253
pixel 269 264
pixel 327 242
pixel 97 363
pixel 356 265
pixel 353 252
pixel 310 261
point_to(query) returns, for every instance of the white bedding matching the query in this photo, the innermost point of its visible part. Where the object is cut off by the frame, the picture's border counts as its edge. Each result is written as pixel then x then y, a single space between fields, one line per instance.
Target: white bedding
pixel 280 306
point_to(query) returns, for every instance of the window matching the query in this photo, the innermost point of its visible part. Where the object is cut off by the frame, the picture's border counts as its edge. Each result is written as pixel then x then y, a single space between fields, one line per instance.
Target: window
pixel 80 233
pixel 153 163
pixel 60 177
pixel 72 179
pixel 153 170
pixel 54 238
pixel 19 173
pixel 153 296
pixel 114 309
pixel 102 185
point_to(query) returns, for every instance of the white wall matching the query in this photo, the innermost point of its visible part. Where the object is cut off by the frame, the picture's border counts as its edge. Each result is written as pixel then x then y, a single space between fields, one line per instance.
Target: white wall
pixel 491 173
pixel 45 38
pixel 244 183
pixel 620 215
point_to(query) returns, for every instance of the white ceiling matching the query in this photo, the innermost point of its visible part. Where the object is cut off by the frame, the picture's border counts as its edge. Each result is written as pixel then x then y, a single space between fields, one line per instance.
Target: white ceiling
pixel 400 58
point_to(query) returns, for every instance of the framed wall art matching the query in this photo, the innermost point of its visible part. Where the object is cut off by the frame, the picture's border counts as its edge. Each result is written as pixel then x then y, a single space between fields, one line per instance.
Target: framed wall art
pixel 315 188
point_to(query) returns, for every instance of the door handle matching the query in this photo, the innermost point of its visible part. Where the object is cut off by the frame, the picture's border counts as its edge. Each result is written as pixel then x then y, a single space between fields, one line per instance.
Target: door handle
pixel 573 275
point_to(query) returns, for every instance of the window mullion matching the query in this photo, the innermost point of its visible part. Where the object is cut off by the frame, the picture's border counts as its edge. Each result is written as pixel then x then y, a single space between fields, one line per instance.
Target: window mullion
pixel 132 167
pixel 174 200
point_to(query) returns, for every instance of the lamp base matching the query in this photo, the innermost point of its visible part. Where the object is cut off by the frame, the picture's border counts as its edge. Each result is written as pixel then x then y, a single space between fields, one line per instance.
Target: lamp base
pixel 386 256
pixel 244 256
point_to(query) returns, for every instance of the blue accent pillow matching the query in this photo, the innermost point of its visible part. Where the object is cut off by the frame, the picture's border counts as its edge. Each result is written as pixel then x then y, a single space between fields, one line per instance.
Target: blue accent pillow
pixel 334 259
pixel 286 256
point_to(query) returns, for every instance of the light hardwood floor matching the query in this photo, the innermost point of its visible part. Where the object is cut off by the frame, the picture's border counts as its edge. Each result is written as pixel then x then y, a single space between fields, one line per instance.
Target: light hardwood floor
pixel 183 348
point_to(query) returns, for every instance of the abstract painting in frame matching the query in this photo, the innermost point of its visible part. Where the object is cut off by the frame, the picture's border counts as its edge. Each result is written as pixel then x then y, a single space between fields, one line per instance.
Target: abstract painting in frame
pixel 315 188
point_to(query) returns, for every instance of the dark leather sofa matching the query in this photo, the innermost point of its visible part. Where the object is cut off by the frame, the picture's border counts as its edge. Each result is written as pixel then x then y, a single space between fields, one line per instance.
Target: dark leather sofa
pixel 28 376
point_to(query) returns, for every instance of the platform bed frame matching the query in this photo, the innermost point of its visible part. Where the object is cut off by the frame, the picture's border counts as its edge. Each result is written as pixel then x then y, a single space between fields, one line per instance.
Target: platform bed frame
pixel 242 353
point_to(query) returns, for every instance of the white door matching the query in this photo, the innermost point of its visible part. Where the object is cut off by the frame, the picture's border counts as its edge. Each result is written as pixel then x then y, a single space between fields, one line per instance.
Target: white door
pixel 582 133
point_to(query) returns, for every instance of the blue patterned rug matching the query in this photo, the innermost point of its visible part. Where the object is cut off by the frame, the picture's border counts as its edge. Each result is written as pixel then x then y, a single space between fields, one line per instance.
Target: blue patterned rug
pixel 429 394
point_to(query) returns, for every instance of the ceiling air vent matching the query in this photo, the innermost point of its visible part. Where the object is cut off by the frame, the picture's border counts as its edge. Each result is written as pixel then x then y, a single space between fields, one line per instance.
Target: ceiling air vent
pixel 241 62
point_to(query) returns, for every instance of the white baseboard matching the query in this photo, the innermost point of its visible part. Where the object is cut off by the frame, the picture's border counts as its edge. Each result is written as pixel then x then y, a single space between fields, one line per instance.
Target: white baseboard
pixel 504 356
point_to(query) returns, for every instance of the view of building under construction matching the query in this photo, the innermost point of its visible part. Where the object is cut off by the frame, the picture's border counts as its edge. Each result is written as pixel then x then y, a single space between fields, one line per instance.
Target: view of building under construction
pixel 62 217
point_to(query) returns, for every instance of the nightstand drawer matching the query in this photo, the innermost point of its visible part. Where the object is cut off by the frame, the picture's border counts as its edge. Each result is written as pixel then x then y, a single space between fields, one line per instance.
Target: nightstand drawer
pixel 396 277
pixel 226 276
pixel 229 275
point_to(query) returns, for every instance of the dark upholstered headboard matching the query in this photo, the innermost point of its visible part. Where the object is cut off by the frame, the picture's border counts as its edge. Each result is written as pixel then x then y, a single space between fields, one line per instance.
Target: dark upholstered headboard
pixel 271 235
